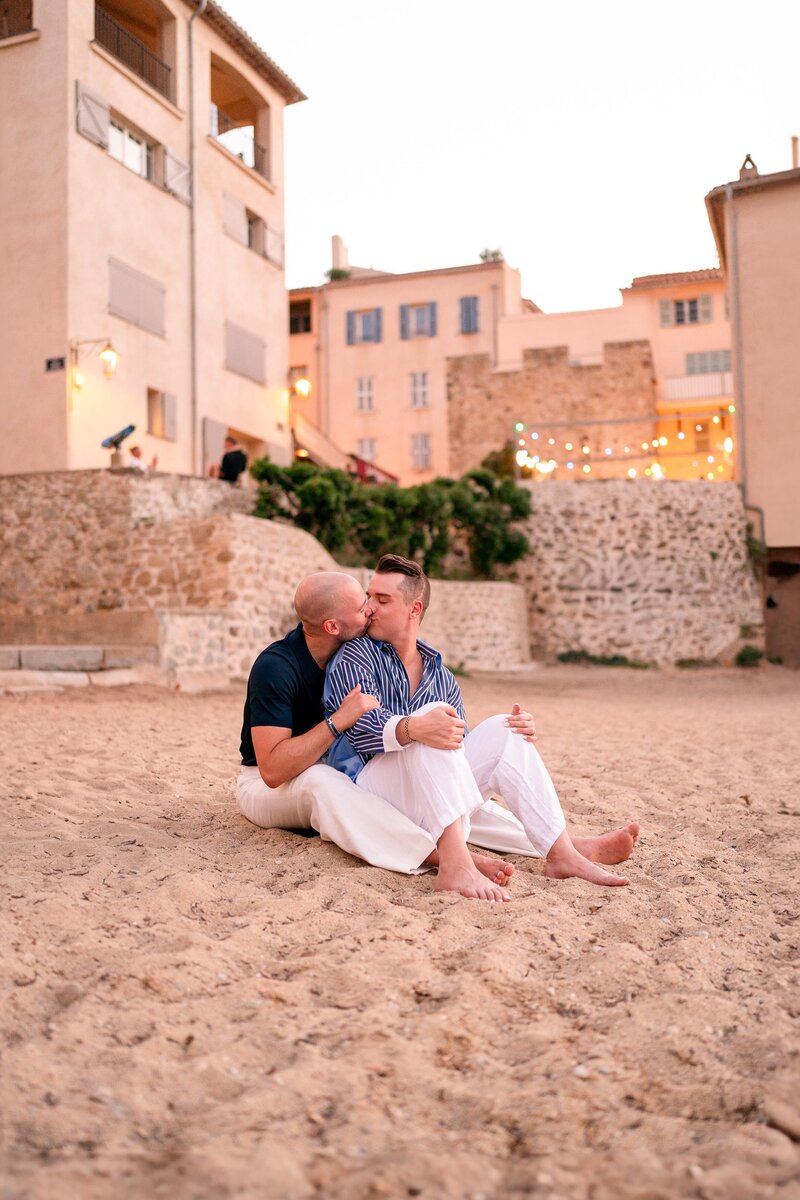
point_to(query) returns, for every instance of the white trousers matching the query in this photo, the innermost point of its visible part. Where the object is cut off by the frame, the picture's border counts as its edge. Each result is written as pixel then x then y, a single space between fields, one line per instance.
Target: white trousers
pixel 404 800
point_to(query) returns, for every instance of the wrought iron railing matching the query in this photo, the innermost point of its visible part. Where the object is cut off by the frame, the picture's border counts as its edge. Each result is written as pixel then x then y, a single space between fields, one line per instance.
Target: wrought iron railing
pixel 235 138
pixel 16 16
pixel 114 38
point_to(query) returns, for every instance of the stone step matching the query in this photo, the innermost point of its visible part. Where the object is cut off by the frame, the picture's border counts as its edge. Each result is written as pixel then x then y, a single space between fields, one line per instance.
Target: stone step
pixel 103 627
pixel 76 657
pixel 22 679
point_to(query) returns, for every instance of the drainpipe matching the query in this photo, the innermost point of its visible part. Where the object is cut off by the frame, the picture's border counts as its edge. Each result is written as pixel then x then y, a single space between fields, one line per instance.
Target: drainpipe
pixel 733 257
pixel 193 243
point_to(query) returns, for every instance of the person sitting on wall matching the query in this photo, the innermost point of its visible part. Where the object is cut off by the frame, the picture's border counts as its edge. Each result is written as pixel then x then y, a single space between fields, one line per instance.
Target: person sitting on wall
pixel 285 783
pixel 414 750
pixel 137 462
pixel 232 464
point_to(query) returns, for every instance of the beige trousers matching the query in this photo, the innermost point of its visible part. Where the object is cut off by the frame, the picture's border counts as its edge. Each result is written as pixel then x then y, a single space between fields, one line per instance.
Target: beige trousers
pixel 417 792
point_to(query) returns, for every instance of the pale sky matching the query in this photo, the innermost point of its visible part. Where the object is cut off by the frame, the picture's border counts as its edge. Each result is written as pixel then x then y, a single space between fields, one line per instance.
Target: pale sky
pixel 578 137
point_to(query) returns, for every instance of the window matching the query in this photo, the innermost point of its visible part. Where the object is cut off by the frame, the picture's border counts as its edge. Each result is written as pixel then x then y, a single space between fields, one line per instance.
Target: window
pixel 135 297
pixel 701 437
pixel 160 414
pixel 364 326
pixel 131 149
pixel 367 449
pixel 421 451
pixel 696 311
pixel 707 361
pixel 419 389
pixel 299 316
pixel 365 393
pixel 417 320
pixel 469 314
pixel 244 353
pixel 16 16
pixel 255 232
pixel 239 117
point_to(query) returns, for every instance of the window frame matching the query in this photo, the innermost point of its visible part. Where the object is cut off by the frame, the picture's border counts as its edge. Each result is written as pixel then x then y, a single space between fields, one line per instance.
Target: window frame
pixel 420 393
pixel 365 393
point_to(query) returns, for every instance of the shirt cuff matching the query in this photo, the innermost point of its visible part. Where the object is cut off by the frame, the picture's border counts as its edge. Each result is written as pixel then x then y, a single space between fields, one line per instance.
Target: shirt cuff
pixel 390 741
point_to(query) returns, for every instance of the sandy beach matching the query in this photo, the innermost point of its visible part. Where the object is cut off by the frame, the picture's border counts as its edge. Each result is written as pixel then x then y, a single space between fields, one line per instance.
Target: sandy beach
pixel 196 1008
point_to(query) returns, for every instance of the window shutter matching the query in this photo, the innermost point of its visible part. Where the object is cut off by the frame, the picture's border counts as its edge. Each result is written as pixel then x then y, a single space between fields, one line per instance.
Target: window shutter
pixel 170 417
pixel 244 353
pixel 177 176
pixel 706 308
pixel 135 297
pixel 463 305
pixel 432 319
pixel 234 217
pixel 666 312
pixel 351 328
pixel 92 117
pixel 404 322
pixel 378 324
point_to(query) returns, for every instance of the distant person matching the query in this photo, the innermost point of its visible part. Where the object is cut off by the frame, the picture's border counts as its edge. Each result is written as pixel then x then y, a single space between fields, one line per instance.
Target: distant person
pixel 136 461
pixel 233 463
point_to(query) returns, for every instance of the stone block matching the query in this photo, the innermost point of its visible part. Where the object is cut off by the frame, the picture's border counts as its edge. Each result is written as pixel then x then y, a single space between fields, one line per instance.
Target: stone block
pixel 61 658
pixel 41 681
pixel 128 656
pixel 9 658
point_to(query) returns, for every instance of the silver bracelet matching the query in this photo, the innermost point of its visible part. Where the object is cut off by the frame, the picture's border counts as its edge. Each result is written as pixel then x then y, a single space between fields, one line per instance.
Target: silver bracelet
pixel 332 727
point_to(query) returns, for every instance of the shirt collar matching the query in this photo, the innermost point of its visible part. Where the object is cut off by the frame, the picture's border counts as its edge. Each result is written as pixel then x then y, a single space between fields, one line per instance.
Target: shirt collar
pixel 425 650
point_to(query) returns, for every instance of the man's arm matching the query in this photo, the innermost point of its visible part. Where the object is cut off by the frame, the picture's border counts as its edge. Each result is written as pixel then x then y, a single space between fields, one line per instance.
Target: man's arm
pixel 281 757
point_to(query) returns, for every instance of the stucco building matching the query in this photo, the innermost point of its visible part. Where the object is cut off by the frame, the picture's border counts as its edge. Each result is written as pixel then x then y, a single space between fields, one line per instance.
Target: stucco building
pixel 426 373
pixel 756 225
pixel 145 210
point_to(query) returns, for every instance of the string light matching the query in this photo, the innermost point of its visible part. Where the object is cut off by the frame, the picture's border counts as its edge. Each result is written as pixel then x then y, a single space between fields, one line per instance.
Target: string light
pixel 570 466
pixel 681 435
pixel 715 420
pixel 731 408
pixel 710 458
pixel 631 472
pixel 727 445
pixel 585 449
pixel 607 450
pixel 551 441
pixel 586 468
pixel 519 427
pixel 535 437
pixel 645 445
pixel 662 441
pixel 568 446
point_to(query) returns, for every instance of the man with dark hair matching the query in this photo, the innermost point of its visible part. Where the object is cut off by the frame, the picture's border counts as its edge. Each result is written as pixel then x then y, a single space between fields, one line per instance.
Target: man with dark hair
pixel 413 749
pixel 232 464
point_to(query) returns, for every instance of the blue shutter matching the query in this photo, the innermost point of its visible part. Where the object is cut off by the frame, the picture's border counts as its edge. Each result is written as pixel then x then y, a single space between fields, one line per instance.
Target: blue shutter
pixel 474 314
pixel 469 314
pixel 378 325
pixel 463 305
pixel 351 328
pixel 404 322
pixel 432 319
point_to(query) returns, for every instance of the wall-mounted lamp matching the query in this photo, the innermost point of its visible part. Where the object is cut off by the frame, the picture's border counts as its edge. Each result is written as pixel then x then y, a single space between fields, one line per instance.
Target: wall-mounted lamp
pixel 302 388
pixel 107 355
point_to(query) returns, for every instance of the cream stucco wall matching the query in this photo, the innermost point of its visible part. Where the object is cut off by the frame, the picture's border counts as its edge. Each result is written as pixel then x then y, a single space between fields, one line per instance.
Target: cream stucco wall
pixel 69 206
pixel 768 263
pixel 33 246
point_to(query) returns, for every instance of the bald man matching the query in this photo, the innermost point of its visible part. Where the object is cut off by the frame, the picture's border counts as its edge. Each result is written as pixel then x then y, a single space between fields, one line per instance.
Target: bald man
pixel 284 783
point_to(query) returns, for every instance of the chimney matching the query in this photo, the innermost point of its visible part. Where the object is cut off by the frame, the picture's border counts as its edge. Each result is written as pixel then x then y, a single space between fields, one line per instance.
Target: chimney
pixel 340 260
pixel 748 169
pixel 795 162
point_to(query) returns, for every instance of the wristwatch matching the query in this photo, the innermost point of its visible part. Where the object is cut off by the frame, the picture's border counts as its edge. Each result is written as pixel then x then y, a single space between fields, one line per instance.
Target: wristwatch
pixel 332 727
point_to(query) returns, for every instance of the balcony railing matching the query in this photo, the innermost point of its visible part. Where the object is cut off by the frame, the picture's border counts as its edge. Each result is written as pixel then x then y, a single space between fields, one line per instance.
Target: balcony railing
pixel 699 387
pixel 238 141
pixel 16 16
pixel 114 38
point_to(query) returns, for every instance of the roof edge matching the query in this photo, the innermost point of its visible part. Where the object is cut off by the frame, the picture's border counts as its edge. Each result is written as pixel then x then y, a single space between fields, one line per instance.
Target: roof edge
pixel 251 52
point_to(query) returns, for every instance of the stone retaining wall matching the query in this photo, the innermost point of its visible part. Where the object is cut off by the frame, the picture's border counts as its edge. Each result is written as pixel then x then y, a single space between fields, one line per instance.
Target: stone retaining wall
pixel 656 571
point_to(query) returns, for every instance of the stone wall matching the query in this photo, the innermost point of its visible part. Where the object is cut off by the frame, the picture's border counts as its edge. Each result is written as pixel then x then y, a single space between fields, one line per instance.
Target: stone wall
pixel 656 571
pixel 483 405
pixel 119 558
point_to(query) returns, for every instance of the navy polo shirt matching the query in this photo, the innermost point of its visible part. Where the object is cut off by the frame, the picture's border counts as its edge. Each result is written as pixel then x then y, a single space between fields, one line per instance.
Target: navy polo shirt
pixel 284 690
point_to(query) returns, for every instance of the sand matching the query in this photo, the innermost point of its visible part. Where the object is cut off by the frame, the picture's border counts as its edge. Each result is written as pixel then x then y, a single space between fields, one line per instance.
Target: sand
pixel 197 1008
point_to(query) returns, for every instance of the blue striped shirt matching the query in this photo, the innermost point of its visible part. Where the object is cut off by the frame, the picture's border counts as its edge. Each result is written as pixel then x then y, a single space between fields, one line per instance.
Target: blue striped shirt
pixel 377 667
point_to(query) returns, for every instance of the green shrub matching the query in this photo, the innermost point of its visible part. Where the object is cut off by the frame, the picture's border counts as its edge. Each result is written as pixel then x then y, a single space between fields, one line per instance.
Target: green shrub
pixel 749 656
pixel 358 522
pixel 603 660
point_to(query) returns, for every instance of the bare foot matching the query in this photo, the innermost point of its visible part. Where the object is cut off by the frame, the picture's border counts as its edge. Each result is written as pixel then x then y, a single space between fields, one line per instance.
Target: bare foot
pixel 609 848
pixel 495 869
pixel 565 862
pixel 468 881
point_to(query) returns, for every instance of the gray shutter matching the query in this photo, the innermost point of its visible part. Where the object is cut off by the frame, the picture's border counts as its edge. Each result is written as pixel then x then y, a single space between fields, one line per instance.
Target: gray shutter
pixel 177 175
pixel 170 417
pixel 135 297
pixel 351 328
pixel 378 325
pixel 706 308
pixel 235 218
pixel 666 312
pixel 463 305
pixel 404 322
pixel 432 319
pixel 92 115
pixel 244 353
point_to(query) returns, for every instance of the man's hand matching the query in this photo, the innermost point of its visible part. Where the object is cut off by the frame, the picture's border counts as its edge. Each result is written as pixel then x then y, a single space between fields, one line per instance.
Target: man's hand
pixel 521 722
pixel 441 728
pixel 353 708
